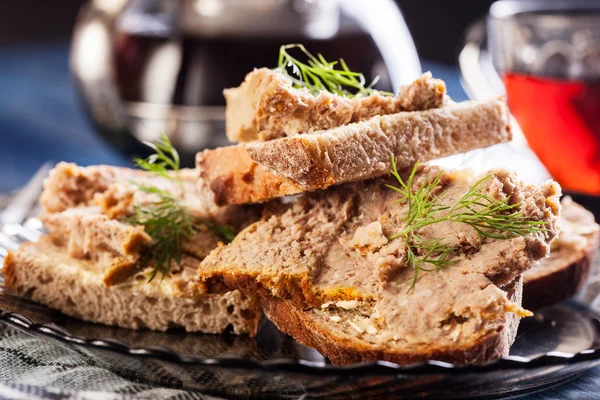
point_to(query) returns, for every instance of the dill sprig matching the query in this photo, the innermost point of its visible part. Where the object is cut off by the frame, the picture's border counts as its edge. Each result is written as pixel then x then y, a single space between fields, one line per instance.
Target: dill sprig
pixel 318 74
pixel 167 221
pixel 164 160
pixel 169 224
pixel 225 232
pixel 490 217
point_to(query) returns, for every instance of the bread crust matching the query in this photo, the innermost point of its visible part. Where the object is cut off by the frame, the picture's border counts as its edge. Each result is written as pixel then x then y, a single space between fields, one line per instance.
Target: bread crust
pixel 362 150
pixel 566 271
pixel 561 284
pixel 346 349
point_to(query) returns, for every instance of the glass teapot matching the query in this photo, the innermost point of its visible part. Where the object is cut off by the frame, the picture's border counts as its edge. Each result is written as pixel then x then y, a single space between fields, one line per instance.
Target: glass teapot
pixel 145 67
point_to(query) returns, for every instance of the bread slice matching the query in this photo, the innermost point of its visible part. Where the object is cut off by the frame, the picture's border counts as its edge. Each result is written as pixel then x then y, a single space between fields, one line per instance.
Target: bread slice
pixel 342 337
pixel 362 150
pixel 296 253
pixel 44 272
pixel 327 257
pixel 266 106
pixel 265 170
pixel 100 253
pixel 564 273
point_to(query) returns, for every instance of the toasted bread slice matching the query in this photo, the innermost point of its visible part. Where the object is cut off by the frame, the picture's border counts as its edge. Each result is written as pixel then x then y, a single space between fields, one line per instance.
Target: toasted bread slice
pixel 327 257
pixel 564 273
pixel 266 106
pixel 47 274
pixel 265 170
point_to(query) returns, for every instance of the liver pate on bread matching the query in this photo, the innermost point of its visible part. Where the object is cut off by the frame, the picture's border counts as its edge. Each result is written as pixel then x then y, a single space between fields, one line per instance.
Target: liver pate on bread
pixel 265 170
pixel 327 259
pixel 266 106
pixel 564 273
pixel 112 189
pixel 103 258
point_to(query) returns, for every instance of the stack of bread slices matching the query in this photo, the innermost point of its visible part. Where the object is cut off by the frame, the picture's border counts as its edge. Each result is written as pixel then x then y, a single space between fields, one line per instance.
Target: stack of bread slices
pixel 323 244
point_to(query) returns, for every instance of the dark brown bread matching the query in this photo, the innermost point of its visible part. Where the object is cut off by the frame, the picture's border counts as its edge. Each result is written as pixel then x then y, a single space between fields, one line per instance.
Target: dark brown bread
pixel 565 272
pixel 314 328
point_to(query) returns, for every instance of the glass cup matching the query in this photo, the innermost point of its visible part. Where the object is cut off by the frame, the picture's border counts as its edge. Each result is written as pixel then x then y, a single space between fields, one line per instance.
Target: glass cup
pixel 547 54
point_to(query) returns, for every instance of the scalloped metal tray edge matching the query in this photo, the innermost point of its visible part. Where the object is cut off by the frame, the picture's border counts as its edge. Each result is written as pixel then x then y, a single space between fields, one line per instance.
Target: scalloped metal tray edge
pixel 554 358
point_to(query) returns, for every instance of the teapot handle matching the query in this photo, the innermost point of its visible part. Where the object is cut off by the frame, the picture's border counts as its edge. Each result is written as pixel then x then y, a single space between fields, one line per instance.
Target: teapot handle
pixel 391 35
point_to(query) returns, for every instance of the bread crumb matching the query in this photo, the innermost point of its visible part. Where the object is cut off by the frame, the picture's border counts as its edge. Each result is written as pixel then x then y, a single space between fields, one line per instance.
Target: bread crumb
pixel 335 318
pixel 366 325
pixel 355 326
pixel 347 304
pixel 456 333
pixel 368 239
pixel 371 330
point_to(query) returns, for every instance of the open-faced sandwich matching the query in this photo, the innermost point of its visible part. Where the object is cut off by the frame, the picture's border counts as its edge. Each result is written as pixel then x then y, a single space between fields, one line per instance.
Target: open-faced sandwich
pixel 378 256
pixel 123 247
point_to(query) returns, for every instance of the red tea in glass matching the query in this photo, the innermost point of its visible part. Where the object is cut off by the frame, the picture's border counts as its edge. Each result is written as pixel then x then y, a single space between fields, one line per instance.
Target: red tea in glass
pixel 548 55
pixel 561 121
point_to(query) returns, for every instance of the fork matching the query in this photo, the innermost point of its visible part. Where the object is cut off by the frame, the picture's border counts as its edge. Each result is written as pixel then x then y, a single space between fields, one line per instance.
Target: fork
pixel 15 229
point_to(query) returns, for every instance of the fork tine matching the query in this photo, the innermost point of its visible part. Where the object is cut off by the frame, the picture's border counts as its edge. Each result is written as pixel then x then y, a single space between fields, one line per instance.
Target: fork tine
pixel 8 242
pixel 21 234
pixel 35 225
pixel 26 198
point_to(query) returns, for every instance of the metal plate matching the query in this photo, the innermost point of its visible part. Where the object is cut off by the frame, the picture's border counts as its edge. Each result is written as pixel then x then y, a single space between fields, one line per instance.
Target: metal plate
pixel 556 344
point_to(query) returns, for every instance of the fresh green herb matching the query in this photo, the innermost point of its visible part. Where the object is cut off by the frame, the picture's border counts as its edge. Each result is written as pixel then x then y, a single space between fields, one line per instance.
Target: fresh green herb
pixel 318 74
pixel 225 232
pixel 164 160
pixel 490 217
pixel 168 222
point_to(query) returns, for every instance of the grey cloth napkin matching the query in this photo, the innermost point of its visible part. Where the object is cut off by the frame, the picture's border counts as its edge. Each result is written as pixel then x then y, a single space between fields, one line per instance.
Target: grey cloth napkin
pixel 36 368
